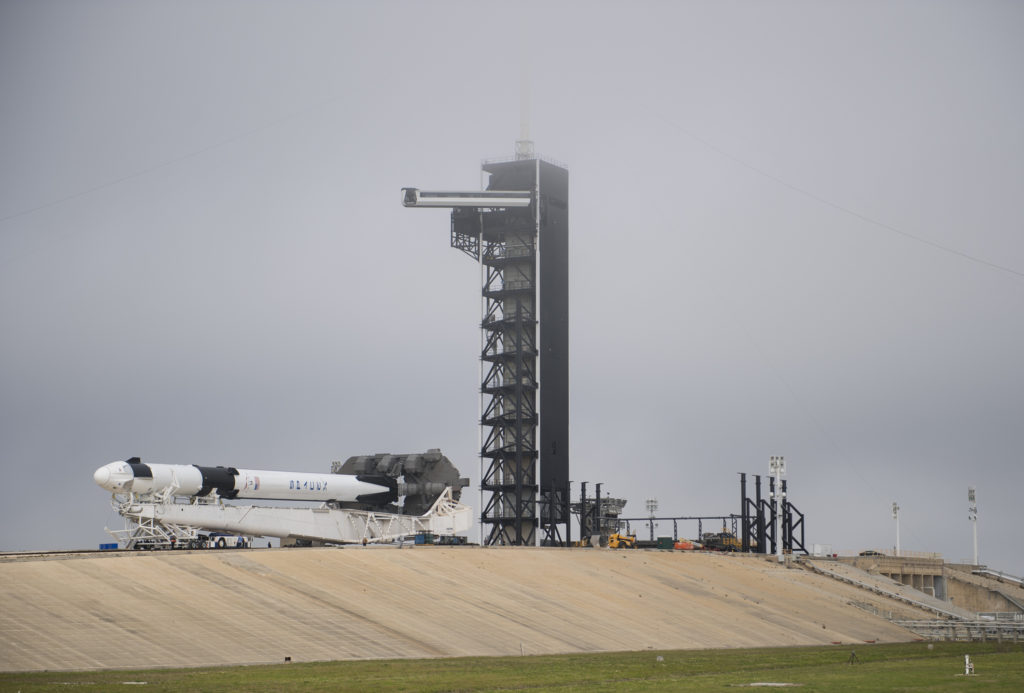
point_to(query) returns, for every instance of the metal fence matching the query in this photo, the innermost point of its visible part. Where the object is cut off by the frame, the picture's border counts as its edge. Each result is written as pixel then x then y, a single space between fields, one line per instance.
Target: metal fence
pixel 967 631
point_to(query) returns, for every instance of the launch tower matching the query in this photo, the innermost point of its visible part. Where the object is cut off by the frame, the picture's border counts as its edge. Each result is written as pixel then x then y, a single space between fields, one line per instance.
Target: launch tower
pixel 518 231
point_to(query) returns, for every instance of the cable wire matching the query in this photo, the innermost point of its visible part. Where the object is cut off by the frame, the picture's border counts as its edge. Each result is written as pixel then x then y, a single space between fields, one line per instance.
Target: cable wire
pixel 839 207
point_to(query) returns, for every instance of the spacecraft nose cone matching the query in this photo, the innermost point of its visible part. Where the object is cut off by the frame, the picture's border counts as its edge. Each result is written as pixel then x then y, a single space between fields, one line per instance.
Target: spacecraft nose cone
pixel 102 477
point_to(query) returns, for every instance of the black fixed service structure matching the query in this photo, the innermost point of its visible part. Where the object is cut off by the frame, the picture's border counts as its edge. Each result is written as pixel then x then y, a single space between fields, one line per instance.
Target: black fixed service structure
pixel 518 230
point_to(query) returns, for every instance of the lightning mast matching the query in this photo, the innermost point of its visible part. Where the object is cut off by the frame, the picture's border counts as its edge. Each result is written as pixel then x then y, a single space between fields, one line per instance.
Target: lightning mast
pixel 972 515
pixel 524 145
pixel 896 516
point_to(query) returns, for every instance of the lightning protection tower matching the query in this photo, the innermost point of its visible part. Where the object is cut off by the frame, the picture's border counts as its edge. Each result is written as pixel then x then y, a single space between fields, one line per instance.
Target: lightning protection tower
pixel 518 231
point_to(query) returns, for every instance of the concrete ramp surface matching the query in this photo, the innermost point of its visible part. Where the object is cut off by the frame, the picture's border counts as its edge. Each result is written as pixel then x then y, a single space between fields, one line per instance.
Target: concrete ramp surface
pixel 174 609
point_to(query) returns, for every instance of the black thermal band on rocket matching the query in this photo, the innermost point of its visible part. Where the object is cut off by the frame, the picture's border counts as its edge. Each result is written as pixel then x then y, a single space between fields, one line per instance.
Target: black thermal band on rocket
pixel 139 470
pixel 389 496
pixel 220 478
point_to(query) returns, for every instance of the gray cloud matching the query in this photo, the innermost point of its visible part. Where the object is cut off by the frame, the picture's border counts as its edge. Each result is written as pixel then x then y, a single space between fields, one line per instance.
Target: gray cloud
pixel 204 258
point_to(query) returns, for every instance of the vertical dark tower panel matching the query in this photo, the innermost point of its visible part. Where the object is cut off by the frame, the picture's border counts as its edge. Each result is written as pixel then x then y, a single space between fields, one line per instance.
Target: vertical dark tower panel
pixel 553 300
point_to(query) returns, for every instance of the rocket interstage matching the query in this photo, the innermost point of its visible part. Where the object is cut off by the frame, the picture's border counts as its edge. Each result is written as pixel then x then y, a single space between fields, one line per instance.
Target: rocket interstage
pixel 132 476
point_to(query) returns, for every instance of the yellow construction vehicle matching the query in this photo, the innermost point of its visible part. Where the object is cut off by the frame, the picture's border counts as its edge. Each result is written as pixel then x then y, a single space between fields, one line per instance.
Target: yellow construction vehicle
pixel 722 541
pixel 622 541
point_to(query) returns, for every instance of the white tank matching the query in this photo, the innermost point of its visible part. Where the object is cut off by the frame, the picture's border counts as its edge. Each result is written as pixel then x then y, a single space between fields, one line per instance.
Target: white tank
pixel 187 480
pixel 255 484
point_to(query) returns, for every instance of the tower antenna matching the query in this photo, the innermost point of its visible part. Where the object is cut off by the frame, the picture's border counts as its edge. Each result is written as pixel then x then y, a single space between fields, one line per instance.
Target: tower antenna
pixel 524 145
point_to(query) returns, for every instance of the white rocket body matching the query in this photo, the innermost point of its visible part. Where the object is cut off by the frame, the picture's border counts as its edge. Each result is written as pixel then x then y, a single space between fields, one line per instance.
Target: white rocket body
pixel 187 480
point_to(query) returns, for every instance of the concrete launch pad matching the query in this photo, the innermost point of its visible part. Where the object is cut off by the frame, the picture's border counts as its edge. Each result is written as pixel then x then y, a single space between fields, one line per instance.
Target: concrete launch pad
pixel 179 609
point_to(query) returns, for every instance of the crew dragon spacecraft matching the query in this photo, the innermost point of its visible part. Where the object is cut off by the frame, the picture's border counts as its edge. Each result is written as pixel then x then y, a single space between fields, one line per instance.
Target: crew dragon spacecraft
pixel 181 480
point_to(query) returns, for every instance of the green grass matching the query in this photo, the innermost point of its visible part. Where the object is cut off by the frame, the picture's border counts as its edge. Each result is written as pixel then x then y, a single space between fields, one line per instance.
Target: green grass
pixel 893 667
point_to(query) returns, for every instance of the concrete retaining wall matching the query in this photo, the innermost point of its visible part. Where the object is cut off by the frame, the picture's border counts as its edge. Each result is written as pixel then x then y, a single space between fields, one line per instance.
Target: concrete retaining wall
pixel 251 606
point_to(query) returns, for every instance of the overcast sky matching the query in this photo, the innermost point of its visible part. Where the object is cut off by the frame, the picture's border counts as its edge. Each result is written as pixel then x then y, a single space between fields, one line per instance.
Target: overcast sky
pixel 797 228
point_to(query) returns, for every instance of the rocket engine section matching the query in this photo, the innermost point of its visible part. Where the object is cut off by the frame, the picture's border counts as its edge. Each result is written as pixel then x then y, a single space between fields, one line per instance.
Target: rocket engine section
pixel 419 478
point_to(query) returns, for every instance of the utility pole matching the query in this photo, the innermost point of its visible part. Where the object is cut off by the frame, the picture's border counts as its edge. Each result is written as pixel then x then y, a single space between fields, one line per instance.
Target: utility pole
pixel 896 516
pixel 777 467
pixel 652 506
pixel 972 515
